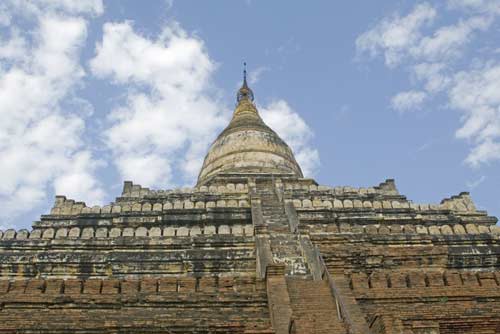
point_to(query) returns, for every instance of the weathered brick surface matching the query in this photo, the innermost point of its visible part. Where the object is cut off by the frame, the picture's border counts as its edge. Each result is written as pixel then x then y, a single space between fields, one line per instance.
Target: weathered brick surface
pixel 179 305
pixel 254 248
pixel 198 269
pixel 99 280
pixel 279 301
pixel 313 308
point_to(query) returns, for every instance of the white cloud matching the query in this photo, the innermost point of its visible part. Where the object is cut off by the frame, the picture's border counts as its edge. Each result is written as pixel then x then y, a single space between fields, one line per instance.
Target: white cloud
pixel 5 16
pixel 74 7
pixel 169 4
pixel 476 6
pixel 41 145
pixel 424 147
pixel 485 152
pixel 78 179
pixel 255 74
pixel 171 114
pixel 294 131
pixel 14 47
pixel 435 60
pixel 395 35
pixel 433 75
pixel 407 101
pixel 474 184
pixel 404 38
pixel 477 94
pixel 448 41
pixel 66 7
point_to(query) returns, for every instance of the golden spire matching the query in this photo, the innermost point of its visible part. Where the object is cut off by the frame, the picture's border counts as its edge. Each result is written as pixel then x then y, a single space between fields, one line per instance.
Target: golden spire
pixel 244 93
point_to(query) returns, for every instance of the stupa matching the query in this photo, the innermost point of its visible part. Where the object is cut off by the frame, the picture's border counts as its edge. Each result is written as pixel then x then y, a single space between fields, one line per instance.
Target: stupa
pixel 254 247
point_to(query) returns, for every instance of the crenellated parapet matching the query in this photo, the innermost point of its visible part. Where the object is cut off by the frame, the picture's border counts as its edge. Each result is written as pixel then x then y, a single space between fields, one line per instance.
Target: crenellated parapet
pixel 131 190
pixel 382 204
pixel 235 304
pixel 136 199
pixel 243 285
pixel 399 229
pixel 447 279
pixel 388 188
pixel 305 195
pixel 70 207
pixel 100 232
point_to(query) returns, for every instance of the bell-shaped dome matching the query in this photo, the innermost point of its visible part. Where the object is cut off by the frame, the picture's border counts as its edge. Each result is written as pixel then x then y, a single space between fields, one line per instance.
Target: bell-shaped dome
pixel 248 145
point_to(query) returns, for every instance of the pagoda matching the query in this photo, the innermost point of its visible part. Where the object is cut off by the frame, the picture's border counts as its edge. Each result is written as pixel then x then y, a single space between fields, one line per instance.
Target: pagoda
pixel 254 247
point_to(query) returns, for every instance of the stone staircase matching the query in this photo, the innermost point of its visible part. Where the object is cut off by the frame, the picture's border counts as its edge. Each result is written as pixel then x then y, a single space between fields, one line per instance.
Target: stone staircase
pixel 285 245
pixel 307 304
pixel 273 209
pixel 313 308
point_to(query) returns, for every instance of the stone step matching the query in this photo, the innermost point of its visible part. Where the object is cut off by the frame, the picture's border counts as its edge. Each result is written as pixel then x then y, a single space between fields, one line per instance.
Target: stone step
pixel 274 218
pixel 278 229
pixel 270 204
pixel 313 307
pixel 274 214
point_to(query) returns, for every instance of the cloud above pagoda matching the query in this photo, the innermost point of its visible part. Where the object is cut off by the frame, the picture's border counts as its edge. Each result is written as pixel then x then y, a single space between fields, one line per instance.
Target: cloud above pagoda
pixel 292 128
pixel 437 56
pixel 171 110
pixel 42 144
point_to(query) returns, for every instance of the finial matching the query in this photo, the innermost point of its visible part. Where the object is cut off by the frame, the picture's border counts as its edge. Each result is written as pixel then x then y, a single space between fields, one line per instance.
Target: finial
pixel 244 73
pixel 245 93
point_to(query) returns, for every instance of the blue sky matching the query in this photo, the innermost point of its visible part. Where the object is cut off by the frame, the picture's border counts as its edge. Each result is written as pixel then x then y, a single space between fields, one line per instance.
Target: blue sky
pixel 95 92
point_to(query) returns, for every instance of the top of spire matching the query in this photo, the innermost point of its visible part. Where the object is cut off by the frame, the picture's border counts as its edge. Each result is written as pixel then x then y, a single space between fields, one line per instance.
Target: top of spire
pixel 244 73
pixel 244 93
